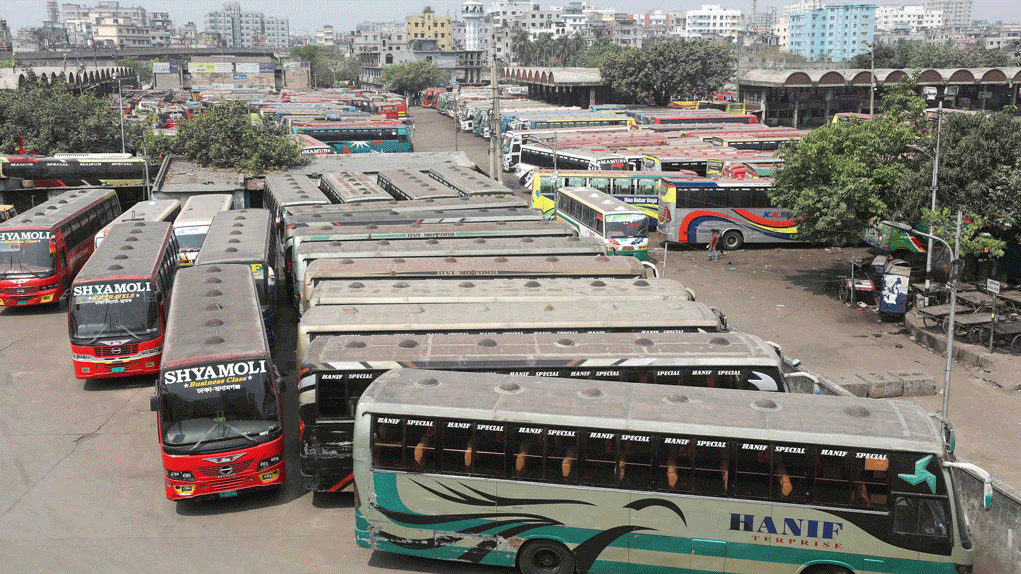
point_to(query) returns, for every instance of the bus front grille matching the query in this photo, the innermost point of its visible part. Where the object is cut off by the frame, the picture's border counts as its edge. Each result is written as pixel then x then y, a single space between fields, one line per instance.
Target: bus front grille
pixel 214 471
pixel 117 350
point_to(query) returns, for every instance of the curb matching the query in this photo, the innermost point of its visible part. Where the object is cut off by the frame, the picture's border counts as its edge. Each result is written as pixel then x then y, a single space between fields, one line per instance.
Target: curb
pixel 963 352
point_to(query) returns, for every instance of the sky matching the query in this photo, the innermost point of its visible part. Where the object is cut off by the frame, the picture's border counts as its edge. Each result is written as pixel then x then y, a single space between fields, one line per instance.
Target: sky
pixel 307 15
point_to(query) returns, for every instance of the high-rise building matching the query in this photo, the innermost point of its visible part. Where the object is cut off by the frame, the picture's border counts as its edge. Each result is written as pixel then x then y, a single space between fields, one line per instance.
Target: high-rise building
pixel 109 9
pixel 248 29
pixel 713 19
pixel 956 13
pixel 325 35
pixel 428 26
pixel 907 19
pixel 52 12
pixel 473 12
pixel 834 33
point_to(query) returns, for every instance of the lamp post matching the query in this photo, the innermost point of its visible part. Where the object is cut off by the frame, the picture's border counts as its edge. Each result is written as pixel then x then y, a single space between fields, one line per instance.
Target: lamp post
pixel 934 187
pixel 872 79
pixel 120 106
pixel 955 256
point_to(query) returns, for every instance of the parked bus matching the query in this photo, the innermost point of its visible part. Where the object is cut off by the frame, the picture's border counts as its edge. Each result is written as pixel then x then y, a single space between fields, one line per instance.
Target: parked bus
pixel 7 212
pixel 429 96
pixel 384 292
pixel 312 147
pixel 406 185
pixel 360 137
pixel 602 476
pixel 513 140
pixel 623 229
pixel 468 182
pixel 336 370
pixel 741 209
pixel 638 189
pixel 578 120
pixel 155 210
pixel 694 117
pixel 217 397
pixel 558 317
pixel 697 160
pixel 541 156
pixel 284 191
pixel 308 252
pixel 192 224
pixel 43 249
pixel 754 142
pixel 352 187
pixel 75 170
pixel 246 237
pixel 117 309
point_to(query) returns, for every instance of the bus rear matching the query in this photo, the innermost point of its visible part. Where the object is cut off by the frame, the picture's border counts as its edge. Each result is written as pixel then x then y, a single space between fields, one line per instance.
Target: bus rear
pixel 117 311
pixel 217 401
pixel 192 224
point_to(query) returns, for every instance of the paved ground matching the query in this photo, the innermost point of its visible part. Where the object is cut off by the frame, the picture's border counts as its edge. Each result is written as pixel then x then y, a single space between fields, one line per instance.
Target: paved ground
pixel 80 486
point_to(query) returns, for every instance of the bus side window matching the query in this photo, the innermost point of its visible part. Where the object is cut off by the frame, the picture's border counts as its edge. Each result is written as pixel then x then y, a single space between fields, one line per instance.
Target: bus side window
pixel 490 445
pixel 457 447
pixel 751 470
pixel 386 443
pixel 832 478
pixel 634 471
pixel 419 445
pixel 921 516
pixel 526 453
pixel 711 468
pixel 790 473
pixel 561 460
pixel 674 462
pixel 600 450
pixel 869 473
pixel 332 398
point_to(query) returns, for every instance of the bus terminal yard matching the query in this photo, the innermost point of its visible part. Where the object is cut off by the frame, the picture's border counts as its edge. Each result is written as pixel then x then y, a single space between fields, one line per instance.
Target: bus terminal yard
pixel 389 262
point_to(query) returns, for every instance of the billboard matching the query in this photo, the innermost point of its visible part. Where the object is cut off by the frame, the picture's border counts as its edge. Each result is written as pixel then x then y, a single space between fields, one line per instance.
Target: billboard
pixel 201 67
pixel 267 68
pixel 246 67
pixel 161 67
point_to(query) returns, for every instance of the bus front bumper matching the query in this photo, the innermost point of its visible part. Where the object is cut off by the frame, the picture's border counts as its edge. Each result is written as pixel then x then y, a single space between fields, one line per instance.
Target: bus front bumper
pixel 11 298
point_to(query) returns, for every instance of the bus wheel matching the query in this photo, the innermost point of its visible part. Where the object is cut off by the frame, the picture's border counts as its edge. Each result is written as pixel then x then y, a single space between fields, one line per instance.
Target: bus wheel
pixel 546 557
pixel 827 569
pixel 733 240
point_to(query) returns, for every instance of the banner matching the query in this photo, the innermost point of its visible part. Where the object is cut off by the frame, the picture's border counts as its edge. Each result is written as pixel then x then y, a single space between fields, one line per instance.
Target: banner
pixel 295 64
pixel 267 68
pixel 223 67
pixel 161 67
pixel 201 67
pixel 246 67
pixel 240 76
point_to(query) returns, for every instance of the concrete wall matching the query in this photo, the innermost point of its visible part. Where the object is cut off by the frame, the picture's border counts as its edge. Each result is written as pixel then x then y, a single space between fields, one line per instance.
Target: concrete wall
pixel 997 532
pixel 168 81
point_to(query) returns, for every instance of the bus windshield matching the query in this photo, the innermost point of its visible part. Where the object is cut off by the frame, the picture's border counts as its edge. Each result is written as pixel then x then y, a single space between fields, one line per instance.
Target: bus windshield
pixel 114 310
pixel 191 237
pixel 22 255
pixel 195 414
pixel 635 228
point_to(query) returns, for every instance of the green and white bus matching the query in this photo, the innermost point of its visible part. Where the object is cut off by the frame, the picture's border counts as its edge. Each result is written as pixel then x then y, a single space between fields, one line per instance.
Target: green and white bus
pixel 624 228
pixel 565 475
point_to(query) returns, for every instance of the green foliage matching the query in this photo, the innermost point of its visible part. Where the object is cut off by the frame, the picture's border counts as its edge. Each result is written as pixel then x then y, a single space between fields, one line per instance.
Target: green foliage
pixel 55 119
pixel 226 137
pixel 571 50
pixel 327 66
pixel 917 54
pixel 142 69
pixel 412 77
pixel 677 69
pixel 974 238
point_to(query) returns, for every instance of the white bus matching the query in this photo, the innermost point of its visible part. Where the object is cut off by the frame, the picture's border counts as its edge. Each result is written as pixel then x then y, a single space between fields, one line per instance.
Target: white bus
pixel 352 187
pixel 623 227
pixel 192 223
pixel 156 210
pixel 565 475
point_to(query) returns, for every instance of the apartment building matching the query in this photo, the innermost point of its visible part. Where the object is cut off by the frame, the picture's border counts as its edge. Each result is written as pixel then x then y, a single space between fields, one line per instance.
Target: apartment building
pixel 429 26
pixel 956 13
pixel 118 33
pixel 907 19
pixel 834 33
pixel 247 29
pixel 713 20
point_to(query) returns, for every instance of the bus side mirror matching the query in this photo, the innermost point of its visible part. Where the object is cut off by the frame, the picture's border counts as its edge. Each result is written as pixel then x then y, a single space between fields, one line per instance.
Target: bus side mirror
pixel 154 403
pixel 981 474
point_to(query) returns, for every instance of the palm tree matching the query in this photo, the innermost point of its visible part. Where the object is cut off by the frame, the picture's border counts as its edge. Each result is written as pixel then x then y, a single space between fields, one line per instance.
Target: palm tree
pixel 543 50
pixel 522 47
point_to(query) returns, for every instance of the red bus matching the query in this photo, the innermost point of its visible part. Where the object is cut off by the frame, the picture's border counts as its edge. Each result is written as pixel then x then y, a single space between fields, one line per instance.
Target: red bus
pixel 43 249
pixel 429 96
pixel 219 415
pixel 117 311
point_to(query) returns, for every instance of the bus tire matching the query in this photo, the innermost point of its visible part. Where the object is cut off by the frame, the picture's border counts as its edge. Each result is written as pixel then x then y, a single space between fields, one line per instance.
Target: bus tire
pixel 733 240
pixel 545 557
pixel 826 569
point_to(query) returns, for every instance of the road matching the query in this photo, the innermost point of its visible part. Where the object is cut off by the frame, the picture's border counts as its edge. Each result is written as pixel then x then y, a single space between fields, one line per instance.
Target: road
pixel 80 474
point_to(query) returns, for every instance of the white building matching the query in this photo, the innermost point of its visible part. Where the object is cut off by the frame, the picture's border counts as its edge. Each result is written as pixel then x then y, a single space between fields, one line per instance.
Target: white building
pixel 804 6
pixel 910 19
pixel 507 12
pixel 278 32
pixel 473 12
pixel 248 29
pixel 325 35
pixel 713 19
pixel 782 29
pixel 104 9
pixel 117 33
pixel 956 13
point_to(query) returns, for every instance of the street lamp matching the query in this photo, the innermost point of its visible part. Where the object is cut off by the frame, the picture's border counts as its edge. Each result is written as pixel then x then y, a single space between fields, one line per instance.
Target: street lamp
pixel 934 188
pixel 120 102
pixel 955 256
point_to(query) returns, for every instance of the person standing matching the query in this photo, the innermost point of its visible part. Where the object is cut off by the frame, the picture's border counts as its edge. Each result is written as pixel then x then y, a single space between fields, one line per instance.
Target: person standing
pixel 714 254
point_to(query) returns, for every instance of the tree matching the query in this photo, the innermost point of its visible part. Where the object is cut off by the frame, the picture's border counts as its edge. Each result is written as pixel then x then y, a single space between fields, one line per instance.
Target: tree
pixel 327 66
pixel 142 69
pixel 686 69
pixel 522 47
pixel 226 137
pixel 54 119
pixel 413 77
pixel 917 54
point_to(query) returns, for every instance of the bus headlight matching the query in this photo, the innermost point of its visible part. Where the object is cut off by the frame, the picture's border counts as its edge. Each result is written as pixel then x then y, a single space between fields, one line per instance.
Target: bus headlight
pixel 184 489
pixel 269 476
pixel 271 461
pixel 179 475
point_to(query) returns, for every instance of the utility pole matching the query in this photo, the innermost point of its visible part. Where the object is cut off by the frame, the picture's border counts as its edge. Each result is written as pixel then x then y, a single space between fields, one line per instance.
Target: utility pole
pixel 934 188
pixel 120 102
pixel 495 163
pixel 872 79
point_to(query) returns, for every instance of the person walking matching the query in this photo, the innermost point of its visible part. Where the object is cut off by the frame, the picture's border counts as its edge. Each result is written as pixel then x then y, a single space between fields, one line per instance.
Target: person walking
pixel 714 254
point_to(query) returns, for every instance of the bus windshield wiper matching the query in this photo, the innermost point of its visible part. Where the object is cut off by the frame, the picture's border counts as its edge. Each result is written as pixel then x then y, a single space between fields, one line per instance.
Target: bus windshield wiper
pixel 205 436
pixel 130 332
pixel 224 423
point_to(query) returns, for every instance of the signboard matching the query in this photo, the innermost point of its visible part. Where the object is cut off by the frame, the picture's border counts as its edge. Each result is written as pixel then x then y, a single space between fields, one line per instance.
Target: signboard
pixel 247 67
pixel 295 64
pixel 161 67
pixel 714 167
pixel 201 67
pixel 223 67
pixel 267 68
pixel 993 286
pixel 240 76
pixel 223 86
